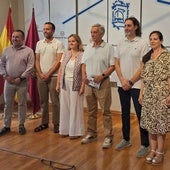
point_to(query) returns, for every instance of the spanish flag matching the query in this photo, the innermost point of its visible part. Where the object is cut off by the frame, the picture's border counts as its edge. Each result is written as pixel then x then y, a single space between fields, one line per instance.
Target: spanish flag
pixel 5 41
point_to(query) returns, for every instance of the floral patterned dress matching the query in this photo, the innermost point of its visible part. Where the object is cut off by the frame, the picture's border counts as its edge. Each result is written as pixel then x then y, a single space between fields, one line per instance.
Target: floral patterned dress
pixel 155 115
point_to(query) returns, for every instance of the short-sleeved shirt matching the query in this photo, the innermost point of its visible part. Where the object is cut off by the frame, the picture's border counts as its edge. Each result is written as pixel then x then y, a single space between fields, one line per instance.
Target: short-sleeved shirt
pixel 48 52
pixel 130 53
pixel 97 60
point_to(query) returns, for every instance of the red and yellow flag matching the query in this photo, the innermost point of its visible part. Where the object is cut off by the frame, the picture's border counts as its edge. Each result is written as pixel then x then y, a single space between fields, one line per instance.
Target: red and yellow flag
pixel 5 41
pixel 5 38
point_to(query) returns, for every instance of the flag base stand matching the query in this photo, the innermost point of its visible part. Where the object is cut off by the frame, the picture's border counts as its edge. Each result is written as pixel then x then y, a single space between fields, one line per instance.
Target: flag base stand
pixel 34 116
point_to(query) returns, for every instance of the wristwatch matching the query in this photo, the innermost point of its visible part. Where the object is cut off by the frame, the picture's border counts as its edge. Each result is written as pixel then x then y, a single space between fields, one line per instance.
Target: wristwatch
pixel 22 78
pixel 104 75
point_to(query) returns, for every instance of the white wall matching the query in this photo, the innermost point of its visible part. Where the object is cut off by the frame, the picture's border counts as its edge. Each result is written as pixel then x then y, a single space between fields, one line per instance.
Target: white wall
pixel 154 14
pixel 17 7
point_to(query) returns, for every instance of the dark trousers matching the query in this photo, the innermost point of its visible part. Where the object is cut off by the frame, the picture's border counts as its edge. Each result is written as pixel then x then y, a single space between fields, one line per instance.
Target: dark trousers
pixel 125 101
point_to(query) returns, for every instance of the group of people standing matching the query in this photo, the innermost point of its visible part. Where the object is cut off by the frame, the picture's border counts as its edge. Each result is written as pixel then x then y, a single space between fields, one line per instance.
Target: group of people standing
pixel 72 74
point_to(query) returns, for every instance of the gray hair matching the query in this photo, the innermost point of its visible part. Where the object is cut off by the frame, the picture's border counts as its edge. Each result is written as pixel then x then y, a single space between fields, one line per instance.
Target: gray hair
pixel 101 28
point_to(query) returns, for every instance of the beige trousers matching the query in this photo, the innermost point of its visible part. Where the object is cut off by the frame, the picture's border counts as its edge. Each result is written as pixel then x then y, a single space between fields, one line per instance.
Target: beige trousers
pixel 103 97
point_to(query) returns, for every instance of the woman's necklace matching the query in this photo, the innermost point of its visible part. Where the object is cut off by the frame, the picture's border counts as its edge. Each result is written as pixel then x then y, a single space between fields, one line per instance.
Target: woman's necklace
pixel 74 55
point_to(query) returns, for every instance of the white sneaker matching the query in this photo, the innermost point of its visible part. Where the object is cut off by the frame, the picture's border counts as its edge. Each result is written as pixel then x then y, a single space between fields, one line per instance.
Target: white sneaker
pixel 107 143
pixel 88 139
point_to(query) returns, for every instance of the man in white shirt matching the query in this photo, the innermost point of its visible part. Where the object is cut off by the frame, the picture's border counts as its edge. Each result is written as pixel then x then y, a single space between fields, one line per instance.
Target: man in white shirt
pixel 128 63
pixel 98 64
pixel 48 56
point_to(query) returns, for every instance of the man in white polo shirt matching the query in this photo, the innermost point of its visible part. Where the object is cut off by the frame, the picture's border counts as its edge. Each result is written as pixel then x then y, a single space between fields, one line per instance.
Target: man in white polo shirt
pixel 128 68
pixel 48 54
pixel 98 64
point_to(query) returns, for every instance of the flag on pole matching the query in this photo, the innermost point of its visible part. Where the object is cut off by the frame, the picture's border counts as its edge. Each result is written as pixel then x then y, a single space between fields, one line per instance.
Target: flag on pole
pixel 31 41
pixel 5 40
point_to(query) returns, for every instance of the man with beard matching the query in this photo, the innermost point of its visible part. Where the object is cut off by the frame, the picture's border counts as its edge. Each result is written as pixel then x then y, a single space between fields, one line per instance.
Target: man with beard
pixel 48 54
pixel 130 50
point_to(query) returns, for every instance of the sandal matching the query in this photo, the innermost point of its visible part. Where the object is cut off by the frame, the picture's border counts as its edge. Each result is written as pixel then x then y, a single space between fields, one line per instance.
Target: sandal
pixel 158 159
pixel 150 156
pixel 41 127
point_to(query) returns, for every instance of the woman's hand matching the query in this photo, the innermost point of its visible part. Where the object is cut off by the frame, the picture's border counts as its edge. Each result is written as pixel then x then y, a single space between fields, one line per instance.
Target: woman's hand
pixel 140 99
pixel 58 87
pixel 82 88
pixel 168 101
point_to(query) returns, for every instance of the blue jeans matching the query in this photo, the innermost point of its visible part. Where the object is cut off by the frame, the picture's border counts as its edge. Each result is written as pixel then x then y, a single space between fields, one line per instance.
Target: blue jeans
pixel 125 101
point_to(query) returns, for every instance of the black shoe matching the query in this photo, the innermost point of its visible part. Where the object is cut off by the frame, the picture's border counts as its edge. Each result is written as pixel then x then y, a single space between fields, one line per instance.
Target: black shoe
pixel 4 130
pixel 41 127
pixel 56 129
pixel 22 129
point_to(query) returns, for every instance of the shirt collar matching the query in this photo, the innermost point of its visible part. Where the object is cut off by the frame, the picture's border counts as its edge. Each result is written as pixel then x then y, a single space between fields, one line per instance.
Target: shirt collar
pixel 44 40
pixel 101 45
pixel 135 39
pixel 19 48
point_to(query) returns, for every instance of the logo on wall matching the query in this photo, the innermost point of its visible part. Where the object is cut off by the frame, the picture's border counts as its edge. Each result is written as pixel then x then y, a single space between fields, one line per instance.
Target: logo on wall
pixel 120 11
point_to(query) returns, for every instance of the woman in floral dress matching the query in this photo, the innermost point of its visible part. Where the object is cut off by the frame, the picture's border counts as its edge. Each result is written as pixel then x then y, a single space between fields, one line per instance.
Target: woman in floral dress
pixel 155 96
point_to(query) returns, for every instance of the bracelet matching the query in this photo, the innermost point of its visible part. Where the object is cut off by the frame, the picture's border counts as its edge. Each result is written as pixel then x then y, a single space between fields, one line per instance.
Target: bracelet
pixel 130 82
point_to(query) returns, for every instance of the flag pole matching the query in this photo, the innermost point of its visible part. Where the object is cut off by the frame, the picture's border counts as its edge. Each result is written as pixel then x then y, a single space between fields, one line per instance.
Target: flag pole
pixel 10 4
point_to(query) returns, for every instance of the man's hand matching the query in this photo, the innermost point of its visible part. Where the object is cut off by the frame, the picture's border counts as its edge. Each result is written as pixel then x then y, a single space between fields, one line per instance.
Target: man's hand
pixel 44 77
pixel 17 80
pixel 125 84
pixel 9 79
pixel 98 78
